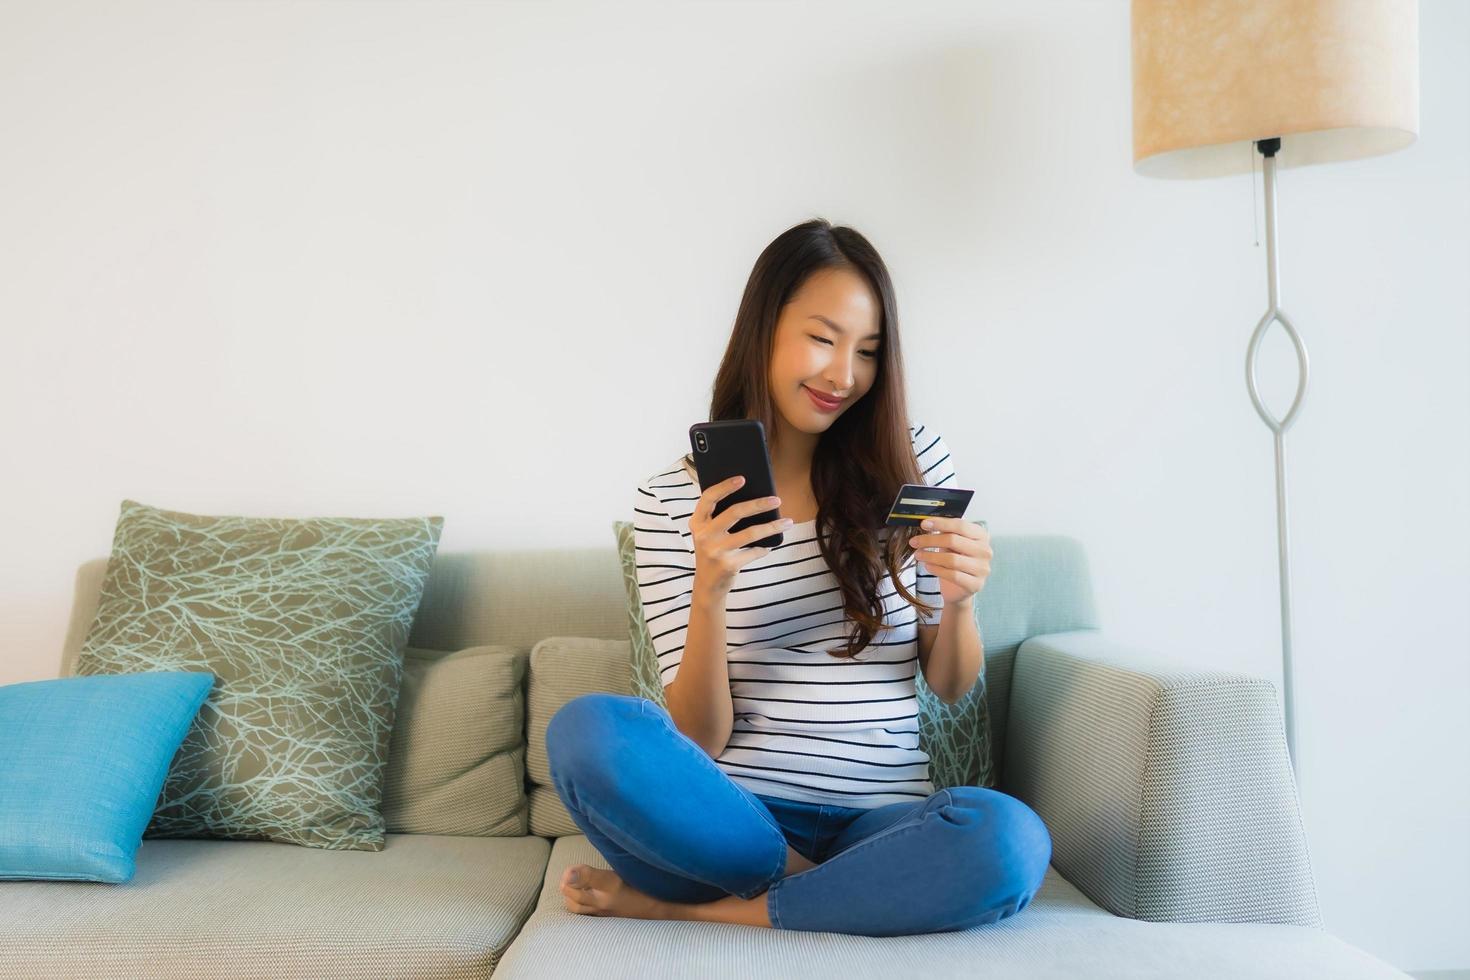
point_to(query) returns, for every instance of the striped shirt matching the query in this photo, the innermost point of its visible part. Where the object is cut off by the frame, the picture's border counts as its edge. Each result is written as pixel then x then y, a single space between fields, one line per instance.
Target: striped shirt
pixel 808 726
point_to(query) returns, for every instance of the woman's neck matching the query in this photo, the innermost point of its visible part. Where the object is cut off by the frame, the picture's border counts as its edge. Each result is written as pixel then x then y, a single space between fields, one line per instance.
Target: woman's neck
pixel 791 467
pixel 791 449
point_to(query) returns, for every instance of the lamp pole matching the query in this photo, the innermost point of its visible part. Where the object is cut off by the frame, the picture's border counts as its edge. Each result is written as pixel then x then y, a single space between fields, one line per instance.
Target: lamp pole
pixel 1268 149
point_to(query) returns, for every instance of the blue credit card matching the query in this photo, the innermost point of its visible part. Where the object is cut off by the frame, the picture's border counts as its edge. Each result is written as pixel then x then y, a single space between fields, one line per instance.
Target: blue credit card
pixel 916 502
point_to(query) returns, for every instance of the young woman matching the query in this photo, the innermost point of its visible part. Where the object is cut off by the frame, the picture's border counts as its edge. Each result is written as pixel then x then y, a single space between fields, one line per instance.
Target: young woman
pixel 784 786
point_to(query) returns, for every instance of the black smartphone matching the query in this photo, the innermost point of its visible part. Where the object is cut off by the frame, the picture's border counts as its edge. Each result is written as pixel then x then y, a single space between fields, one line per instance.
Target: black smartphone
pixel 736 447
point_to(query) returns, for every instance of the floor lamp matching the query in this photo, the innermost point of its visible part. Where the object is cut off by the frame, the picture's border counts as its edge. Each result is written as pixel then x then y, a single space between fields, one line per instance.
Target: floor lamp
pixel 1298 81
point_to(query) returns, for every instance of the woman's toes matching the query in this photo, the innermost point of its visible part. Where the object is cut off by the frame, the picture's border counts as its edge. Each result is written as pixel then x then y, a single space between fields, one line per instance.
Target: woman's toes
pixel 587 889
pixel 598 879
pixel 574 892
pixel 599 891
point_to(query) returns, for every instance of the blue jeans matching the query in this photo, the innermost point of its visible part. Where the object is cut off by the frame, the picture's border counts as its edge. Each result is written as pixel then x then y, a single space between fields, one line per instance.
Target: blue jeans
pixel 674 825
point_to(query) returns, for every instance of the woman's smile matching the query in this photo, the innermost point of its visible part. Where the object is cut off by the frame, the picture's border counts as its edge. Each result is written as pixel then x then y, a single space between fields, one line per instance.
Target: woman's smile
pixel 823 404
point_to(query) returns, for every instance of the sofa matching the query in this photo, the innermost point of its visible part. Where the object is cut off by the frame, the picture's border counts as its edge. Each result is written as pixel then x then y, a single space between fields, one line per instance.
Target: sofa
pixel 1178 845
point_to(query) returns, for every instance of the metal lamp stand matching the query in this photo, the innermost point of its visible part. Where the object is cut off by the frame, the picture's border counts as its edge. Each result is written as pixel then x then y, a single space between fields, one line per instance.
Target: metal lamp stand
pixel 1268 149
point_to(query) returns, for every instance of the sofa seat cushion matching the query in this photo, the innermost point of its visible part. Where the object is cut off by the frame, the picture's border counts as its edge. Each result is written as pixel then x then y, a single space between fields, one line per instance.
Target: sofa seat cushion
pixel 424 906
pixel 1060 934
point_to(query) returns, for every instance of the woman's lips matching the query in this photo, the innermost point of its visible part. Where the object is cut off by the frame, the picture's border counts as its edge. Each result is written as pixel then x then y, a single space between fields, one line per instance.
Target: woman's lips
pixel 823 405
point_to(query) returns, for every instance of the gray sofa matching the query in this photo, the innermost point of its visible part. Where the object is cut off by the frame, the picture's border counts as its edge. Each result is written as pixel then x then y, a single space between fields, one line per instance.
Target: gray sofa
pixel 1178 845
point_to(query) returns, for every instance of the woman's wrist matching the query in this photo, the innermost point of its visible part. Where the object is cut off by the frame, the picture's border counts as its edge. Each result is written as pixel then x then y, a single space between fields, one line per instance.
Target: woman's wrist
pixel 706 597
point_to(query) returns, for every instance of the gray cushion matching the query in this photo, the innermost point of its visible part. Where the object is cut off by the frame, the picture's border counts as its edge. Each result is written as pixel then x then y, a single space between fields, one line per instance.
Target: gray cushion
pixel 563 668
pixel 1059 935
pixel 424 906
pixel 457 758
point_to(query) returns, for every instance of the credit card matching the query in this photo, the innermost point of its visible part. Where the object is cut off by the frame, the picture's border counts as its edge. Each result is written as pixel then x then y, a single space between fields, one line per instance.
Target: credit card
pixel 916 502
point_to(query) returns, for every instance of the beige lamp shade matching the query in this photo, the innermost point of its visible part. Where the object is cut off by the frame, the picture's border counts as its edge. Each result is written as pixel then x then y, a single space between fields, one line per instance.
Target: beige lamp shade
pixel 1335 79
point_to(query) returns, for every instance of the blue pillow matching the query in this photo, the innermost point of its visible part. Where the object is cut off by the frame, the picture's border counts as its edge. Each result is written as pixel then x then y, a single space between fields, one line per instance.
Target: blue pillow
pixel 82 762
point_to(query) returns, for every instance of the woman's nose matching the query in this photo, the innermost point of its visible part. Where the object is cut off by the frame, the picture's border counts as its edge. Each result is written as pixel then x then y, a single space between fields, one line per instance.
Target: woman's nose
pixel 840 376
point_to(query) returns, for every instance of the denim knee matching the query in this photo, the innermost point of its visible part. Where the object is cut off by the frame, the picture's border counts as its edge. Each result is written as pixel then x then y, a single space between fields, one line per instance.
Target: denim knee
pixel 1014 841
pixel 580 729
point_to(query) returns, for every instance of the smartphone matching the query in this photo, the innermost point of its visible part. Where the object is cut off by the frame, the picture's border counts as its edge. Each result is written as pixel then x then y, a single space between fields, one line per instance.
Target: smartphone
pixel 736 447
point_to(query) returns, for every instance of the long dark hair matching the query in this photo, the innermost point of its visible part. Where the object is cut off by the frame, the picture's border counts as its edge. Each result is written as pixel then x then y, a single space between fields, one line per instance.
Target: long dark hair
pixel 867 453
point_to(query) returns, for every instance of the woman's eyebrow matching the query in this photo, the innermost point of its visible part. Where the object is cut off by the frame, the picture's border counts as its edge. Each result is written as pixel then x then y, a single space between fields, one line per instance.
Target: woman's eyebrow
pixel 841 329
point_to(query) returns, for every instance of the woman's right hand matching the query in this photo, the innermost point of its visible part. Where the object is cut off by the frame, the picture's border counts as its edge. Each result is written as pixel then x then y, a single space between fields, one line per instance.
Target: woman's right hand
pixel 718 554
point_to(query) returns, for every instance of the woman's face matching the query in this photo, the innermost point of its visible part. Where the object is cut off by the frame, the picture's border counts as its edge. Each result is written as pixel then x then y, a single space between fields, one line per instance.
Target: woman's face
pixel 827 342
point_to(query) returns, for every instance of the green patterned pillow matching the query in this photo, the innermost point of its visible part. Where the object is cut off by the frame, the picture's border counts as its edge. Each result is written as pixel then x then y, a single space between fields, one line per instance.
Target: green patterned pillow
pixel 645 662
pixel 956 736
pixel 303 622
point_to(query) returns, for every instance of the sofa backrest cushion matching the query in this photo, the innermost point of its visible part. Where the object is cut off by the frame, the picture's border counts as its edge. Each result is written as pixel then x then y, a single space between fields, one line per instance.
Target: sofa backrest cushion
pixel 562 668
pixel 517 598
pixel 456 762
pixel 483 598
pixel 1038 584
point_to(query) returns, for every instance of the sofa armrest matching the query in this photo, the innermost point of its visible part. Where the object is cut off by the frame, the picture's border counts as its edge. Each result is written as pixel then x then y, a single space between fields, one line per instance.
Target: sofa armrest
pixel 1168 792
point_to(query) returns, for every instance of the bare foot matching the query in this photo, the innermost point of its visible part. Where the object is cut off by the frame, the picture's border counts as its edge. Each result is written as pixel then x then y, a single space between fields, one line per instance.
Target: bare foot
pixel 601 892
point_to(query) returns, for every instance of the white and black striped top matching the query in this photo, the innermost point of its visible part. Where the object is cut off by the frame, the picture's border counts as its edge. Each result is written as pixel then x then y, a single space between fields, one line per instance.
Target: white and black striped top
pixel 808 726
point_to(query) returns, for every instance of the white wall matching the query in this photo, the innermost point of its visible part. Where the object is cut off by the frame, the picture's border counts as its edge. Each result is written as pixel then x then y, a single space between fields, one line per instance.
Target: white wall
pixel 387 258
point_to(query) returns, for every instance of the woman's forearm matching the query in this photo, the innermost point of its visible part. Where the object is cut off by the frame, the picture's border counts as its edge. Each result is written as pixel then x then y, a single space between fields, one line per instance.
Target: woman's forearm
pixel 954 663
pixel 699 697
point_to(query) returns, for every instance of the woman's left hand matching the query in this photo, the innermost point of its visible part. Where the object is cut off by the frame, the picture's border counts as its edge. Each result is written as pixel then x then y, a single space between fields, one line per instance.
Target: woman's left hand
pixel 962 559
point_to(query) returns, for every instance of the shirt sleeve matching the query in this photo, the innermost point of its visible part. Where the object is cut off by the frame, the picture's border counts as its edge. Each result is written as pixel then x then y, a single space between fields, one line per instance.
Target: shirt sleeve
pixel 665 565
pixel 937 469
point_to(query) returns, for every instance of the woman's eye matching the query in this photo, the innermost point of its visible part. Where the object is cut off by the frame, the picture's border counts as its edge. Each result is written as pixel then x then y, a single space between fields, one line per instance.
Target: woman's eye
pixel 823 340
